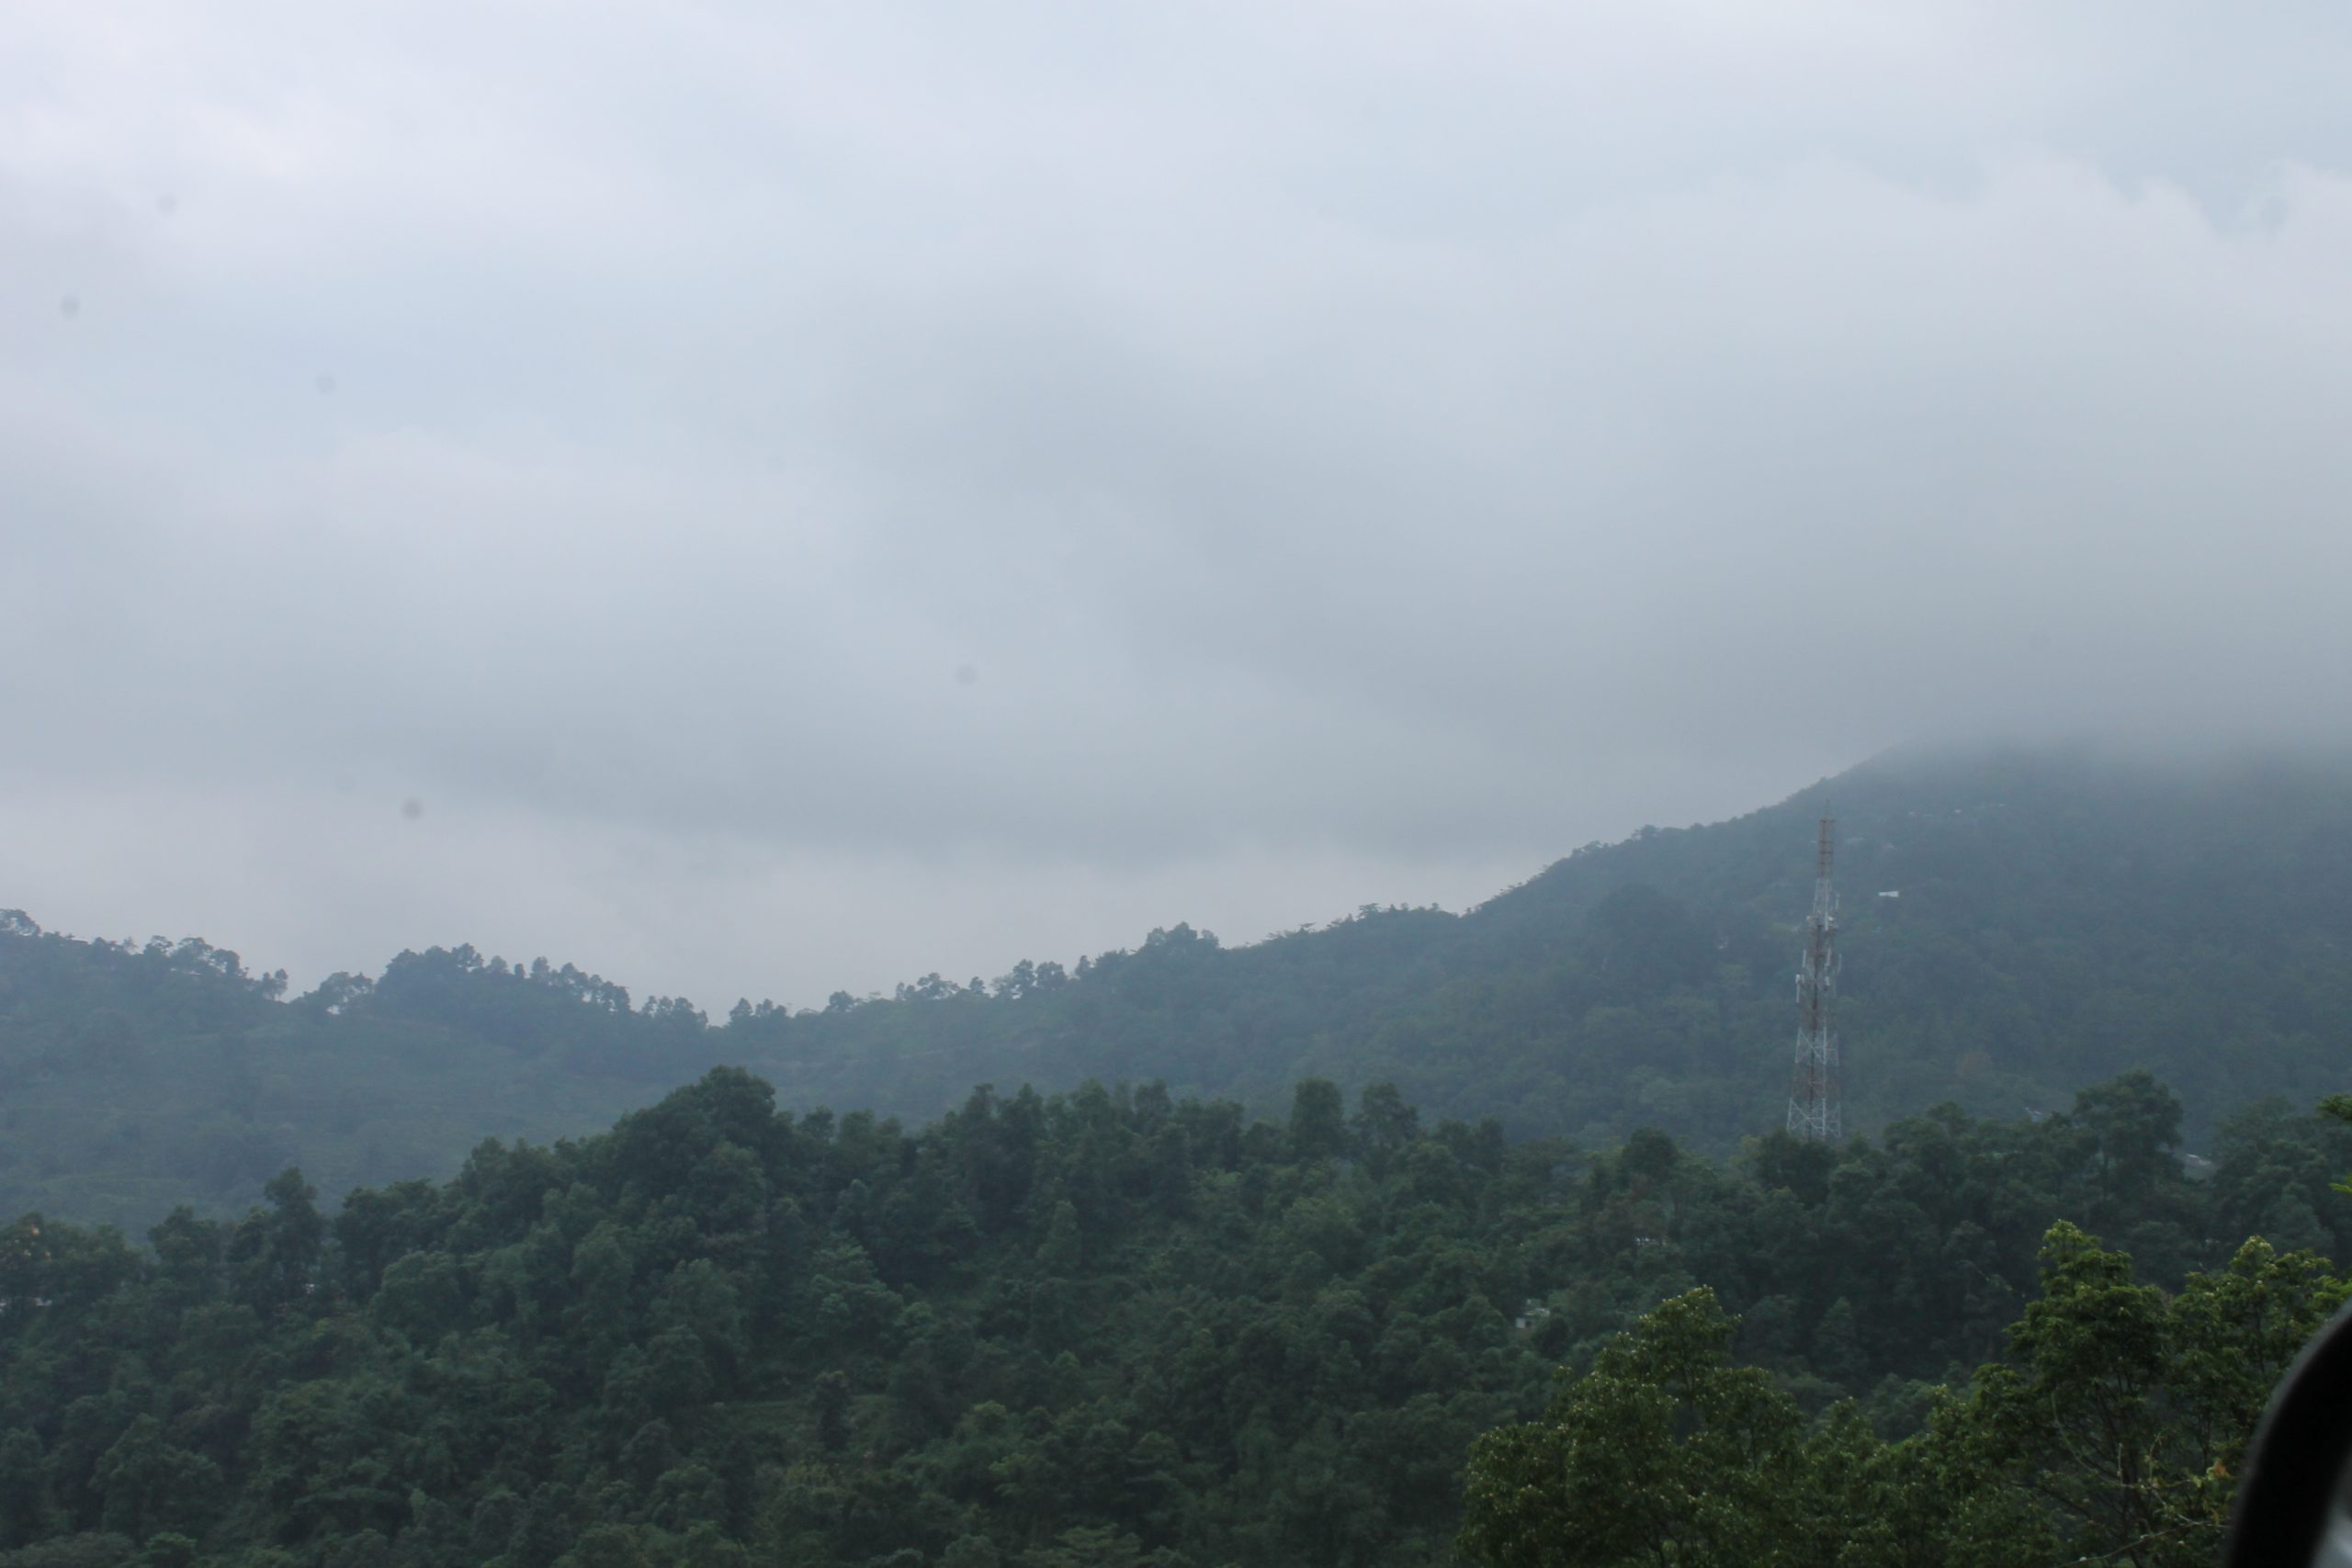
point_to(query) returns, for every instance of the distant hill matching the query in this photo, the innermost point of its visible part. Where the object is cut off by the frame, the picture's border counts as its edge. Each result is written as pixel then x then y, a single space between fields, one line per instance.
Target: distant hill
pixel 2058 918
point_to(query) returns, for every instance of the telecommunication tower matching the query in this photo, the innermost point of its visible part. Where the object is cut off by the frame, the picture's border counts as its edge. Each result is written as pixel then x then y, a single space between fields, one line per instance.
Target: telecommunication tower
pixel 1812 1094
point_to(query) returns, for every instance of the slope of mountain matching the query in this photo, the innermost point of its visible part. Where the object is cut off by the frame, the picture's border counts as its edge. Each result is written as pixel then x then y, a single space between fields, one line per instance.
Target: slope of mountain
pixel 2015 925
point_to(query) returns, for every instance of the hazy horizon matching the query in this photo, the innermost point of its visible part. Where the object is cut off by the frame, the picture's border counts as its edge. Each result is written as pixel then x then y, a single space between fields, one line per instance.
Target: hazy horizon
pixel 2104 751
pixel 760 503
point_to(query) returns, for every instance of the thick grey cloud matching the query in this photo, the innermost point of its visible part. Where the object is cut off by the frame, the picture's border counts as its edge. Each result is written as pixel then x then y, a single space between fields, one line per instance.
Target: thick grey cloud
pixel 802 498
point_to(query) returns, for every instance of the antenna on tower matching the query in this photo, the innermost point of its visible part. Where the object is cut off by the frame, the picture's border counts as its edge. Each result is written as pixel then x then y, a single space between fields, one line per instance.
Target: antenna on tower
pixel 1814 1111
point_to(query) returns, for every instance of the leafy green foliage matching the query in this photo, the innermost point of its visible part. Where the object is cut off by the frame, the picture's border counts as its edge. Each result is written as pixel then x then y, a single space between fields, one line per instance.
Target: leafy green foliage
pixel 1664 1451
pixel 2128 1409
pixel 2340 1107
pixel 1120 1327
pixel 2113 1432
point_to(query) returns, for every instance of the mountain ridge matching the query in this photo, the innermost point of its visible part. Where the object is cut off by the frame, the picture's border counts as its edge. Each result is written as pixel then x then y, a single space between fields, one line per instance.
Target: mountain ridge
pixel 2064 915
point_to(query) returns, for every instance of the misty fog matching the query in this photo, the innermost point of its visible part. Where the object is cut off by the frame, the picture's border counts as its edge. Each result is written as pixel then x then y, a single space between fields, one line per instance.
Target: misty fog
pixel 757 503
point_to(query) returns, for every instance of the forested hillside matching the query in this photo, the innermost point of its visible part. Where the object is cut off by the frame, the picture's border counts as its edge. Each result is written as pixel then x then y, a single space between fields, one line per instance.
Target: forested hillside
pixel 1117 1327
pixel 2017 925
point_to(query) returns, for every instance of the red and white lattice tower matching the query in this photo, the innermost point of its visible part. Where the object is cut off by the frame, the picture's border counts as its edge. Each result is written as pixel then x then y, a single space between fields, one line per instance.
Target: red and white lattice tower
pixel 1814 1110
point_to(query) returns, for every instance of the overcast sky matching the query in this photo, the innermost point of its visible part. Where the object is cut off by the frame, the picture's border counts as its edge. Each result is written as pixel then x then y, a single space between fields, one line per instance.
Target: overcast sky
pixel 758 499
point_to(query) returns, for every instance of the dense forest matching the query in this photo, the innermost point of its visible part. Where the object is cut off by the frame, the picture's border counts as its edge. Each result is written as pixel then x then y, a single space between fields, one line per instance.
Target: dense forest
pixel 1120 1327
pixel 2017 925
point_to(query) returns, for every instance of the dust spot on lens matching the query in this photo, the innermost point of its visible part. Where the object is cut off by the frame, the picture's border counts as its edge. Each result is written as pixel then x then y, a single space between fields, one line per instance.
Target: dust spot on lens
pixel 967 674
pixel 411 808
pixel 327 386
pixel 69 306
